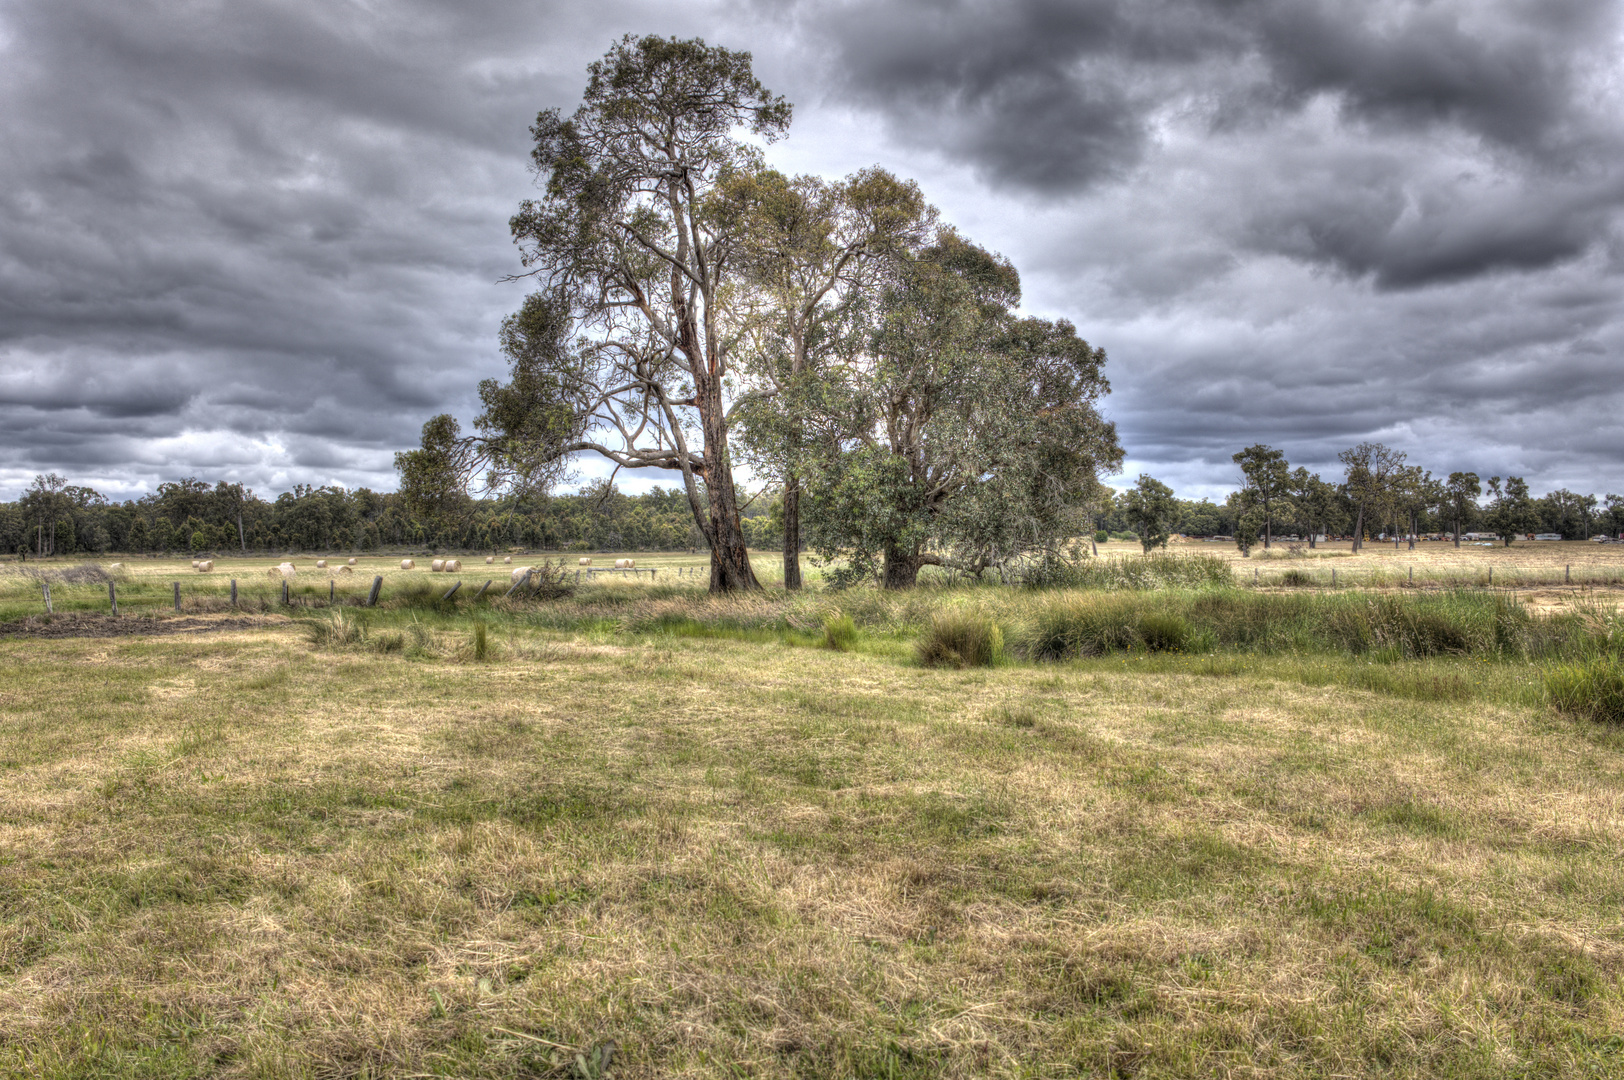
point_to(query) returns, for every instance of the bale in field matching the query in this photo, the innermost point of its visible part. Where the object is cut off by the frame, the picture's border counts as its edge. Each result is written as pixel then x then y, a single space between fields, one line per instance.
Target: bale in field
pixel 204 565
pixel 586 562
pixel 437 566
pixel 116 566
pixel 352 562
pixel 625 564
pixel 509 559
pixel 194 563
pixel 520 573
pixel 452 566
pixel 489 559
pixel 345 570
pixel 407 564
pixel 321 564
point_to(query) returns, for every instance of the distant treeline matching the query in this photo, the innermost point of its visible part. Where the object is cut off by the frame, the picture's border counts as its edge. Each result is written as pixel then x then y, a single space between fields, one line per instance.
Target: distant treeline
pixel 57 518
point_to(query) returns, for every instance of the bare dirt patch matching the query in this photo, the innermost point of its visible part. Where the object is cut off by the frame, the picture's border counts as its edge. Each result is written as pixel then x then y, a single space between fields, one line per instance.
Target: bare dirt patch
pixel 82 624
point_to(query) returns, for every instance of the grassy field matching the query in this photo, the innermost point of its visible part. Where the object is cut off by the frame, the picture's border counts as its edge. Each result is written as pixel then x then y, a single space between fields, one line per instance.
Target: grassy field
pixel 1321 834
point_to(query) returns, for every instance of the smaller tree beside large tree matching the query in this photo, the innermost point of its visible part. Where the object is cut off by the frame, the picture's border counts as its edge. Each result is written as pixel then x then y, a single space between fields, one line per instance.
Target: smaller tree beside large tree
pixel 1149 507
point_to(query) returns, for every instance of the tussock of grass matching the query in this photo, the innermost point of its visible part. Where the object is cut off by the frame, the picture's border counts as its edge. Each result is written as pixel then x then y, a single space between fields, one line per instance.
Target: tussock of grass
pixel 959 639
pixel 839 633
pixel 1593 689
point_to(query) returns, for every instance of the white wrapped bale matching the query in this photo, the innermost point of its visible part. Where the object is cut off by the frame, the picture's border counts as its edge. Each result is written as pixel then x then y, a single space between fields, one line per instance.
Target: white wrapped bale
pixel 205 565
pixel 321 564
pixel 287 570
pixel 352 562
pixel 625 564
pixel 508 560
pixel 489 559
pixel 519 574
pixel 116 566
pixel 586 562
pixel 407 564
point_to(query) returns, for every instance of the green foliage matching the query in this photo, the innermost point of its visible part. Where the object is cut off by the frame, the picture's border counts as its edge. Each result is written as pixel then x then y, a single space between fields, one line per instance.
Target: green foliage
pixel 1295 577
pixel 1101 536
pixel 1593 689
pixel 960 638
pixel 481 642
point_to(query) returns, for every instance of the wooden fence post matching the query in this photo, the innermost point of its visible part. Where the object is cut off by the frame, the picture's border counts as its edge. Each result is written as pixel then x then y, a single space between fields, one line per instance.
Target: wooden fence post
pixel 112 596
pixel 177 597
pixel 233 592
pixel 46 585
pixel 1567 574
pixel 1333 577
pixel 481 591
pixel 332 587
pixel 451 591
pixel 372 597
pixel 284 592
pixel 1491 575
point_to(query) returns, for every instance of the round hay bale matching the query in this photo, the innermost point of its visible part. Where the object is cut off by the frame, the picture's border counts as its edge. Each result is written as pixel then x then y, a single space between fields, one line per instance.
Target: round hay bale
pixel 321 564
pixel 407 564
pixel 287 570
pixel 586 562
pixel 508 560
pixel 205 565
pixel 345 570
pixel 437 566
pixel 352 562
pixel 519 574
pixel 451 566
pixel 489 559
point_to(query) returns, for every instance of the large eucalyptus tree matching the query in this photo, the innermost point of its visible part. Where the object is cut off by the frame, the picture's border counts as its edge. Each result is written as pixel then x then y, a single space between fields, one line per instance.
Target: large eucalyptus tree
pixel 625 348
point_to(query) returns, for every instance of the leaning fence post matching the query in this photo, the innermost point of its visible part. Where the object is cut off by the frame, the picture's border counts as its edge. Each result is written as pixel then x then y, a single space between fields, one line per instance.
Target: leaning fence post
pixel 46 585
pixel 451 591
pixel 177 595
pixel 481 591
pixel 112 596
pixel 233 592
pixel 372 597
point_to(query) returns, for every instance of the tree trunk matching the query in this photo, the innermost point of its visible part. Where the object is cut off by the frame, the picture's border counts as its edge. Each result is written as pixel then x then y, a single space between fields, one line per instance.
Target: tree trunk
pixel 1457 532
pixel 730 557
pixel 1359 529
pixel 901 568
pixel 792 532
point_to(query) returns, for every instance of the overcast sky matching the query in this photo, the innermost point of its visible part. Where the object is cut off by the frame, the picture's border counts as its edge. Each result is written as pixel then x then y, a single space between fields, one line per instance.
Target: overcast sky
pixel 261 240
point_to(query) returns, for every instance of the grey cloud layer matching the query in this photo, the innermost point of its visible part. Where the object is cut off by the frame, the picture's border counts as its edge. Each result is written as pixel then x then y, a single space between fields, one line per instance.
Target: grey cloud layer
pixel 261 241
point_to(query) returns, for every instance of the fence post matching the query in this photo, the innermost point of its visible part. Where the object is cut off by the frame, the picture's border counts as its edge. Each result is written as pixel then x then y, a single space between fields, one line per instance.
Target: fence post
pixel 372 597
pixel 177 596
pixel 332 587
pixel 1254 575
pixel 1491 575
pixel 233 592
pixel 1567 574
pixel 46 585
pixel 481 591
pixel 284 592
pixel 1333 577
pixel 452 591
pixel 112 596
pixel 1412 575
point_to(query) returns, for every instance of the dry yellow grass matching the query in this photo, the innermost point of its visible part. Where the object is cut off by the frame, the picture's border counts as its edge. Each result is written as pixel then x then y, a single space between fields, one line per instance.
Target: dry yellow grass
pixel 233 855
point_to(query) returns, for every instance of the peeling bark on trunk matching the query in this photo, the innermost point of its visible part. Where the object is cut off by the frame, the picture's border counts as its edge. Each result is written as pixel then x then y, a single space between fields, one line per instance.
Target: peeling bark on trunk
pixel 792 532
pixel 901 568
pixel 730 558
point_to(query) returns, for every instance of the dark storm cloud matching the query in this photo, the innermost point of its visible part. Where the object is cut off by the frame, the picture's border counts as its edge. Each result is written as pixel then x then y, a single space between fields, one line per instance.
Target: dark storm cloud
pixel 261 241
pixel 240 225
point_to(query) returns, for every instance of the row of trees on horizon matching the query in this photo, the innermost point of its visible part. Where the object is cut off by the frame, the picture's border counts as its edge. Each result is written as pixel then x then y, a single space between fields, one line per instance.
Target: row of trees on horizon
pixel 55 517
pixel 1378 493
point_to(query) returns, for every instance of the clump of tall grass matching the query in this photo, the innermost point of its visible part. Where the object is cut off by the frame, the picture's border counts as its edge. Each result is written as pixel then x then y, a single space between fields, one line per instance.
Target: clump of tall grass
pixel 961 639
pixel 1073 624
pixel 839 632
pixel 1297 578
pixel 340 631
pixel 1593 689
pixel 1157 570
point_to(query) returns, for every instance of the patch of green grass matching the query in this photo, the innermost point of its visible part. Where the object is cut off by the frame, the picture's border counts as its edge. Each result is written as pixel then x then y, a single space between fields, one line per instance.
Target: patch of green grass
pixel 1592 689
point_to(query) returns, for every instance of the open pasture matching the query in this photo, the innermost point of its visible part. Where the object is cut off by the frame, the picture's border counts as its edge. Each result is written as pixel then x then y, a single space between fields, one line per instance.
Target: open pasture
pixel 478 841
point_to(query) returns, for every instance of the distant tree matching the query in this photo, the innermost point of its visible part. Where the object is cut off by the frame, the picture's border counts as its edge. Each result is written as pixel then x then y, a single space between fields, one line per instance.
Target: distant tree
pixel 1315 501
pixel 1511 511
pixel 1370 471
pixel 1612 515
pixel 1460 499
pixel 1266 478
pixel 1150 509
